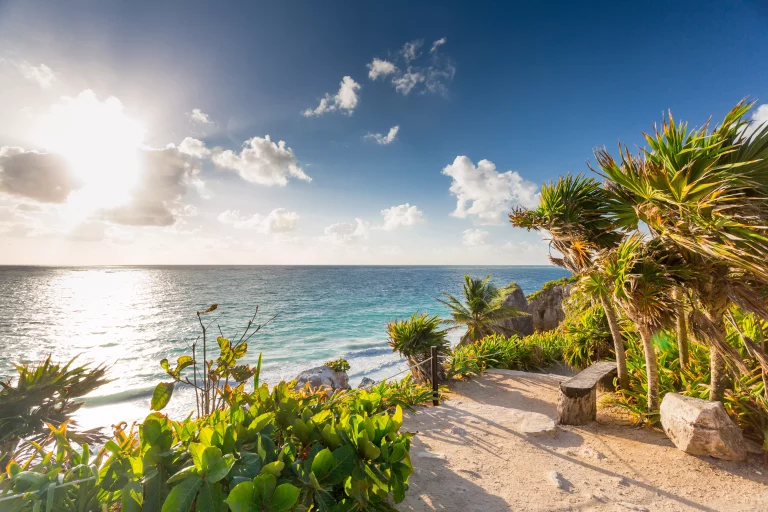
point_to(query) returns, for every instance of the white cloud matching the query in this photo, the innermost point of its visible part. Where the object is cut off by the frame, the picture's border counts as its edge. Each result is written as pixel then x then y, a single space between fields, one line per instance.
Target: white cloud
pixel 344 232
pixel 405 83
pixel 379 67
pixel 475 237
pixel 403 215
pixel 42 74
pixel 486 194
pixel 261 161
pixel 200 117
pixel 411 50
pixel 759 119
pixel 44 177
pixel 345 99
pixel 194 147
pixel 384 139
pixel 437 44
pixel 279 220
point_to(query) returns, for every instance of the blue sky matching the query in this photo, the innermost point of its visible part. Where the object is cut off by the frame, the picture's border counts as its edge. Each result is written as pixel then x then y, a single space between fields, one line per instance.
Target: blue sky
pixel 531 89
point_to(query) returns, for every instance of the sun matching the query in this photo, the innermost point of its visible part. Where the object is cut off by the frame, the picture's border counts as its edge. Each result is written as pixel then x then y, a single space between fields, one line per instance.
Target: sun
pixel 102 146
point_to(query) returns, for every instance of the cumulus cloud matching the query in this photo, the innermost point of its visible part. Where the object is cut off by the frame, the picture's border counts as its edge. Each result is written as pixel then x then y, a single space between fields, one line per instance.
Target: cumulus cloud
pixel 486 194
pixel 345 232
pixel 475 237
pixel 437 44
pixel 759 119
pixel 384 139
pixel 279 220
pixel 166 176
pixel 194 147
pixel 344 100
pixel 42 74
pixel 199 117
pixel 44 177
pixel 261 161
pixel 400 216
pixel 379 67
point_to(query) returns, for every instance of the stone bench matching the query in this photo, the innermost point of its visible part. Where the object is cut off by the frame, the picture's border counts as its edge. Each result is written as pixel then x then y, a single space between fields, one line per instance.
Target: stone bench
pixel 577 400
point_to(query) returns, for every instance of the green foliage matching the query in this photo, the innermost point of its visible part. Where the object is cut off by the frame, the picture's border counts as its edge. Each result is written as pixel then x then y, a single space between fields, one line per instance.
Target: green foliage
pixel 339 365
pixel 588 338
pixel 415 336
pixel 497 351
pixel 45 392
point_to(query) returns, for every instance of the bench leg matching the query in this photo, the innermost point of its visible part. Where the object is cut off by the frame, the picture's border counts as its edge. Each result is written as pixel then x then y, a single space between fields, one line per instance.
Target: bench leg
pixel 578 410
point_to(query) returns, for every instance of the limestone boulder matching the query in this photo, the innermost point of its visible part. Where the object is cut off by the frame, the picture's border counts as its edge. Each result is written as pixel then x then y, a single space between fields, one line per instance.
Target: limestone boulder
pixel 701 427
pixel 546 306
pixel 323 376
pixel 521 325
pixel 367 383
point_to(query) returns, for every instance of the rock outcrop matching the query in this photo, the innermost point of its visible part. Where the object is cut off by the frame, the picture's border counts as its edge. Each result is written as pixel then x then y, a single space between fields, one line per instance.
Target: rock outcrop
pixel 367 383
pixel 701 427
pixel 521 325
pixel 546 306
pixel 323 376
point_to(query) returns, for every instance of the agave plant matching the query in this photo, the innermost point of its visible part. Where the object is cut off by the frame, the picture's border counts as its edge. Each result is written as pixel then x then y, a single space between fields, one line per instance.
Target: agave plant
pixel 45 394
pixel 482 313
pixel 414 338
pixel 575 211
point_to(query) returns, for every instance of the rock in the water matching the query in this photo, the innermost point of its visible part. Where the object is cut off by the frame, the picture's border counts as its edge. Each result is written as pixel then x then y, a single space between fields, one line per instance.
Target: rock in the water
pixel 521 325
pixel 701 427
pixel 546 306
pixel 560 481
pixel 323 376
pixel 366 383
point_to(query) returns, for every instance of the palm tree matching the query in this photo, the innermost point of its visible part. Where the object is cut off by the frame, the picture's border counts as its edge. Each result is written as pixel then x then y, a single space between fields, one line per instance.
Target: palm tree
pixel 482 311
pixel 705 193
pixel 414 338
pixel 575 212
pixel 644 277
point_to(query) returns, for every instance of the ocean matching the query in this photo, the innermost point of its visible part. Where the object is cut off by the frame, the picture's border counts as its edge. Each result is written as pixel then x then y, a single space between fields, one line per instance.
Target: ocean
pixel 132 317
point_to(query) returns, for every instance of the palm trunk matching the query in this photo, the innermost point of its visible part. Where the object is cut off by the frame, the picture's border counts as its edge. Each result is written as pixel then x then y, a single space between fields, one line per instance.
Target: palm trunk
pixel 618 343
pixel 682 329
pixel 651 368
pixel 718 375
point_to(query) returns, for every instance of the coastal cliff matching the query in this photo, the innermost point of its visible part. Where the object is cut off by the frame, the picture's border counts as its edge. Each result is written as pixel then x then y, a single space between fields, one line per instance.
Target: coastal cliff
pixel 543 309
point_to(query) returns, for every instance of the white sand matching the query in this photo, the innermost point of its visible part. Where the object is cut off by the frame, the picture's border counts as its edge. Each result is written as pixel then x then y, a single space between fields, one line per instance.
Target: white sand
pixel 493 447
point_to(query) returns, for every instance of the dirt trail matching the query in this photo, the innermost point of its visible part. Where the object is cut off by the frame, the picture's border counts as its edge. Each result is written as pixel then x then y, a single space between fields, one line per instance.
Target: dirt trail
pixel 494 447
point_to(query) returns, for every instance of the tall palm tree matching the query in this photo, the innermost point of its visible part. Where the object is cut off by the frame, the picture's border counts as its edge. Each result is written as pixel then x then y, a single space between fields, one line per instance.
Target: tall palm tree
pixel 414 338
pixel 574 211
pixel 705 193
pixel 481 312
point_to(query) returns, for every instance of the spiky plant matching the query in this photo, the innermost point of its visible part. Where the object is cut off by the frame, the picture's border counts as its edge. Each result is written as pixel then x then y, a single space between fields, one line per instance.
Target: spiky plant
pixel 705 193
pixel 42 394
pixel 481 312
pixel 414 338
pixel 575 211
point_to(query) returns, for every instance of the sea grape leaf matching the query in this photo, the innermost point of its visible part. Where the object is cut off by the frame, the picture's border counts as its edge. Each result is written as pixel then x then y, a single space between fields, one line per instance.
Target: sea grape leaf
pixel 182 496
pixel 342 466
pixel 162 395
pixel 239 499
pixel 133 497
pixel 209 499
pixel 284 498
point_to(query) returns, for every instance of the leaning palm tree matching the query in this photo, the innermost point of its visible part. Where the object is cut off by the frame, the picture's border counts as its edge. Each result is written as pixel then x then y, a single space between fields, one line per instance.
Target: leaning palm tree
pixel 705 193
pixel 575 212
pixel 482 312
pixel 414 338
pixel 644 277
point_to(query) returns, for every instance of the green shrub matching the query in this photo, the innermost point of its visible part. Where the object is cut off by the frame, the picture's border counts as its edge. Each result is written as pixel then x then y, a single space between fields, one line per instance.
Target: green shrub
pixel 563 281
pixel 587 337
pixel 414 338
pixel 339 365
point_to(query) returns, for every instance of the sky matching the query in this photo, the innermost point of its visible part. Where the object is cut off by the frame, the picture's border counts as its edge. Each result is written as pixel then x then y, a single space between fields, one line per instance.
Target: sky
pixel 335 132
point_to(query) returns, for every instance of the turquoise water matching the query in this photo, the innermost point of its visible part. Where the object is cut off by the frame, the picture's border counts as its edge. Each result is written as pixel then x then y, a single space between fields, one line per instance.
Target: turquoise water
pixel 132 317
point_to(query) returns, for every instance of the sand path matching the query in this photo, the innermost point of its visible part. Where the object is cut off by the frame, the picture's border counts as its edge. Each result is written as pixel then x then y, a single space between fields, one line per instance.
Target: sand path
pixel 494 447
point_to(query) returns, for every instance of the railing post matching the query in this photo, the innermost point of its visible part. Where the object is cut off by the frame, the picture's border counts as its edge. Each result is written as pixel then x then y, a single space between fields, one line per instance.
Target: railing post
pixel 435 400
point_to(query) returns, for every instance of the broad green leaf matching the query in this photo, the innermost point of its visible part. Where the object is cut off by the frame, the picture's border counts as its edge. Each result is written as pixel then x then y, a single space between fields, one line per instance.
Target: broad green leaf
pixel 241 497
pixel 182 474
pixel 273 468
pixel 162 395
pixel 182 496
pixel 133 497
pixel 284 498
pixel 324 501
pixel 220 469
pixel 322 462
pixel 263 489
pixel 209 499
pixel 197 450
pixel 343 465
pixel 258 424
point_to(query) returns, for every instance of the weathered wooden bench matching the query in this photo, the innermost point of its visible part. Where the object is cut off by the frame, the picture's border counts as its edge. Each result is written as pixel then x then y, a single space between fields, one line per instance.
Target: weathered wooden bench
pixel 577 400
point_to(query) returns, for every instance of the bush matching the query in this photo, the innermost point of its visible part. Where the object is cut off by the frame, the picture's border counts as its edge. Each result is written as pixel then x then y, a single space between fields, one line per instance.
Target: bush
pixel 588 337
pixel 339 365
pixel 414 338
pixel 497 351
